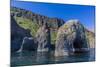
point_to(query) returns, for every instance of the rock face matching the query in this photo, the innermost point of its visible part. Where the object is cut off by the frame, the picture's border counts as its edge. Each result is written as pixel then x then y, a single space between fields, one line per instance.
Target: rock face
pixel 17 35
pixel 90 39
pixel 71 37
pixel 28 44
pixel 42 34
pixel 31 31
pixel 43 38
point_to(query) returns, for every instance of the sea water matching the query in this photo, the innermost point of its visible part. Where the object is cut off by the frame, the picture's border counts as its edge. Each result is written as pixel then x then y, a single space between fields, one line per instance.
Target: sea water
pixel 33 58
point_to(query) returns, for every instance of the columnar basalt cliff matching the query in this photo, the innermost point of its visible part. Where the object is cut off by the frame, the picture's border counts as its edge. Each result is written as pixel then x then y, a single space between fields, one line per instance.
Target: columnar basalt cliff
pixel 31 31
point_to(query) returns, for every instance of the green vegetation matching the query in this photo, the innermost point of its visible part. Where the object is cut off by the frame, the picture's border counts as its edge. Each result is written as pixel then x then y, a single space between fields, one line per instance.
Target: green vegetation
pixel 33 27
pixel 53 37
pixel 27 24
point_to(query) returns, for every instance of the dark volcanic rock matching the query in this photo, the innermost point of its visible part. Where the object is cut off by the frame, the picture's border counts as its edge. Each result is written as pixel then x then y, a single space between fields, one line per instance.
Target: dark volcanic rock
pixel 71 37
pixel 17 35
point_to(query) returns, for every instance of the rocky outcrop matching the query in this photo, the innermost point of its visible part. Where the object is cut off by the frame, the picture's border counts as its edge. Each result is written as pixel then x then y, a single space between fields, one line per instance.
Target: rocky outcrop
pixel 90 39
pixel 71 37
pixel 17 34
pixel 43 38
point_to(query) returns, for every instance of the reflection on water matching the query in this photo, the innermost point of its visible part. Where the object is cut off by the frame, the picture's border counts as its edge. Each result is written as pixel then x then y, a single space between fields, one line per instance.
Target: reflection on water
pixel 34 58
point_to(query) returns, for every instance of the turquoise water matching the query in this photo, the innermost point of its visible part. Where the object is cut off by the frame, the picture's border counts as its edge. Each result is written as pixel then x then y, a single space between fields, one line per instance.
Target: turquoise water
pixel 34 58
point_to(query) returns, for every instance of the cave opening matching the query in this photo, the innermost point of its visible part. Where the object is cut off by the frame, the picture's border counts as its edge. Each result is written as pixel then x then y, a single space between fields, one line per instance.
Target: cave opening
pixel 77 45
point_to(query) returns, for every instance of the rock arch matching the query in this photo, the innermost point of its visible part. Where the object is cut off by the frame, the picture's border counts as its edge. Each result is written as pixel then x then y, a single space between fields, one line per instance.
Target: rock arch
pixel 71 38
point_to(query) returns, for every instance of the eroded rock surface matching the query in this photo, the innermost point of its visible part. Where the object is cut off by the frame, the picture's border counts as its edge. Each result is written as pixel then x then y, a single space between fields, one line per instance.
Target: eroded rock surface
pixel 71 37
pixel 43 38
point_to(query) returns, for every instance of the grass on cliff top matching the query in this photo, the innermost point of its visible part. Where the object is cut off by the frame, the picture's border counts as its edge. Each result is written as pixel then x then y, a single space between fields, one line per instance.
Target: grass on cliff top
pixel 27 24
